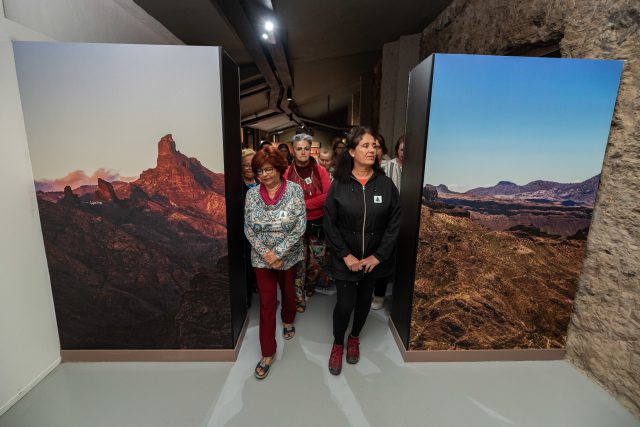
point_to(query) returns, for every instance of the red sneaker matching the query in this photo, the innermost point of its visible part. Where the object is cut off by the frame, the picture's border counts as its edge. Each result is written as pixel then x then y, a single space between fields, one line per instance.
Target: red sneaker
pixel 353 350
pixel 335 361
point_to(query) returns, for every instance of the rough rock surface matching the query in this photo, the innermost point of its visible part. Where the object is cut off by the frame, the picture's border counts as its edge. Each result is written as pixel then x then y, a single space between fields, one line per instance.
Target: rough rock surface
pixel 604 333
pixel 478 289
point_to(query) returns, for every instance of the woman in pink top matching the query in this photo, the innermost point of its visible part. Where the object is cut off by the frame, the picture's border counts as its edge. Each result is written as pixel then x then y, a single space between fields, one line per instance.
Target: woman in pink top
pixel 315 183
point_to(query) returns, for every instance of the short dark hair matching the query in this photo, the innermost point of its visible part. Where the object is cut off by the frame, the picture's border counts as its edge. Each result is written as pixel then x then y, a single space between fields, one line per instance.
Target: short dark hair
pixel 335 141
pixel 271 155
pixel 285 146
pixel 383 144
pixel 344 164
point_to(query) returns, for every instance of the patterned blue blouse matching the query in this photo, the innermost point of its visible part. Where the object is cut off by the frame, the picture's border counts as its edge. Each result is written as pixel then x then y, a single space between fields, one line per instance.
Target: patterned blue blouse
pixel 278 227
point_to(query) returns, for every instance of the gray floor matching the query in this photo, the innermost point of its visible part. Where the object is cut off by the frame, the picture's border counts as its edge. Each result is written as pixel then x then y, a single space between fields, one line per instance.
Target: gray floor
pixel 380 391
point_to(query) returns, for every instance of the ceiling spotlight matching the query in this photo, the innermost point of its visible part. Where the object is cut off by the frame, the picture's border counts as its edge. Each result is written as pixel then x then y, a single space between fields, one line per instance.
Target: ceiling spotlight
pixel 265 36
pixel 289 94
pixel 269 26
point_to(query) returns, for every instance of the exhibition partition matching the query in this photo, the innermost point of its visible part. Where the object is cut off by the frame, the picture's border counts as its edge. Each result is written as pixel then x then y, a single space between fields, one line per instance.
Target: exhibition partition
pixel 135 152
pixel 502 165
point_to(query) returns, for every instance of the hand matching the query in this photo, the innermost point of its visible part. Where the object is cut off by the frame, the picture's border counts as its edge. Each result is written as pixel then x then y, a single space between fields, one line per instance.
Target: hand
pixel 270 257
pixel 278 265
pixel 352 263
pixel 369 263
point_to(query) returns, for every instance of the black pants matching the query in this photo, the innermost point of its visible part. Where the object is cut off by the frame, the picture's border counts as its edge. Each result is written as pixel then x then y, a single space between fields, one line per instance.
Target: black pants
pixel 353 297
pixel 381 287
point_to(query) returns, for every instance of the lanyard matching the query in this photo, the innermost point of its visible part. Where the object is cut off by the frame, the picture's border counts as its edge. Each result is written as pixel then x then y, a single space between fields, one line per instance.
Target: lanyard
pixel 308 180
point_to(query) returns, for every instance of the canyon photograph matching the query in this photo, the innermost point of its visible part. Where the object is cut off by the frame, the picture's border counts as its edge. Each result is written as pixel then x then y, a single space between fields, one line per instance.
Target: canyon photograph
pixel 497 268
pixel 514 153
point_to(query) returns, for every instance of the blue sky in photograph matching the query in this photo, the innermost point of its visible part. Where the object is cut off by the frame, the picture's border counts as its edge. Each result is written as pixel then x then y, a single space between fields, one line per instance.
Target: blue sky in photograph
pixel 518 119
pixel 105 106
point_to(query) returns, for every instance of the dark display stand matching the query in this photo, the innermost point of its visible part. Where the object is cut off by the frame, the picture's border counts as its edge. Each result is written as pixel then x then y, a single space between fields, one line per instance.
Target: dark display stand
pixel 230 85
pixel 416 135
pixel 417 128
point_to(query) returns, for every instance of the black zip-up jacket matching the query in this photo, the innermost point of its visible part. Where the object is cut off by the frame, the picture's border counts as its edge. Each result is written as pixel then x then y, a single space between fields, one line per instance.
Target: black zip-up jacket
pixel 362 221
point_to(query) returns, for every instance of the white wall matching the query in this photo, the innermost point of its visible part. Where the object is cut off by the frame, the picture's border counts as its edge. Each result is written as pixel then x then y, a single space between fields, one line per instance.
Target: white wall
pixel 97 21
pixel 29 345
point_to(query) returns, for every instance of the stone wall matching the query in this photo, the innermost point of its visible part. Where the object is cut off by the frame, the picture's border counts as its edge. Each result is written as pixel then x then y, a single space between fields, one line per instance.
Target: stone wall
pixel 398 58
pixel 604 335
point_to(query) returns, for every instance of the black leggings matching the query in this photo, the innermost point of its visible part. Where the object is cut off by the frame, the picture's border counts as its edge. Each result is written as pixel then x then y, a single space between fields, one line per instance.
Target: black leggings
pixel 353 297
pixel 381 287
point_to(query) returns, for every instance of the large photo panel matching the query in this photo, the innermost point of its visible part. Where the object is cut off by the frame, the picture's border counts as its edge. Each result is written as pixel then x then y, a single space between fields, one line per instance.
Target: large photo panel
pixel 514 151
pixel 126 145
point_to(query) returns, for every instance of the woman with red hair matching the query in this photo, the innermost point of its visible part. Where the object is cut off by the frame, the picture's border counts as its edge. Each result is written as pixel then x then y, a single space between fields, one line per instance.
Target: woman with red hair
pixel 274 222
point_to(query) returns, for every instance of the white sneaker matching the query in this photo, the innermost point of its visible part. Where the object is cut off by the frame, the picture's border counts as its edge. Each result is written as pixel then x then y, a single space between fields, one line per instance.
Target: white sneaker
pixel 326 290
pixel 378 303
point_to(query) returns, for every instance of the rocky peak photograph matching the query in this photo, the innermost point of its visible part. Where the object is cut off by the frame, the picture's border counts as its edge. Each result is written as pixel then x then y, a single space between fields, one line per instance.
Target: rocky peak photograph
pixel 131 193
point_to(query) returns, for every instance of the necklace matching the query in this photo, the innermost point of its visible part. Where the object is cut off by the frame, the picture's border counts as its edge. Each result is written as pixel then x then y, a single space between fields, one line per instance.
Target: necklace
pixel 307 181
pixel 273 192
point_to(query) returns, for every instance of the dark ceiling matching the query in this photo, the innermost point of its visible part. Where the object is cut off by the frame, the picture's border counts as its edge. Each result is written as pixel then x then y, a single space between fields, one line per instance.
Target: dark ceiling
pixel 321 49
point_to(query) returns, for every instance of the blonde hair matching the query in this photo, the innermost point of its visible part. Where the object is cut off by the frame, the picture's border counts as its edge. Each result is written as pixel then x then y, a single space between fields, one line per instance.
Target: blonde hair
pixel 326 151
pixel 247 152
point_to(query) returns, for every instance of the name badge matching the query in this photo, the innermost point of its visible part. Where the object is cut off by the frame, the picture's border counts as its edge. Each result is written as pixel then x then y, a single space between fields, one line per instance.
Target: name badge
pixel 307 180
pixel 282 215
pixel 377 199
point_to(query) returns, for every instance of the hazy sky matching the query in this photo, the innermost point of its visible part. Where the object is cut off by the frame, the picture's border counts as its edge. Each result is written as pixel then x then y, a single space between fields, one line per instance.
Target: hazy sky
pixel 518 119
pixel 89 107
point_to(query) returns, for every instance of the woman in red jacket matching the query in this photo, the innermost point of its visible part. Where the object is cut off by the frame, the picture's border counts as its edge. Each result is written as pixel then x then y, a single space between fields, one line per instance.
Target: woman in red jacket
pixel 315 183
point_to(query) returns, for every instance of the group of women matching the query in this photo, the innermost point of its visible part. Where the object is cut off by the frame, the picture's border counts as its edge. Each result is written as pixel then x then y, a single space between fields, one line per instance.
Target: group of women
pixel 294 210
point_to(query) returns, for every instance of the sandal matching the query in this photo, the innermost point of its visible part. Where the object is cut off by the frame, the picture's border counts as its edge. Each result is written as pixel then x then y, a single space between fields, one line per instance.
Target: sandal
pixel 288 331
pixel 264 366
pixel 301 306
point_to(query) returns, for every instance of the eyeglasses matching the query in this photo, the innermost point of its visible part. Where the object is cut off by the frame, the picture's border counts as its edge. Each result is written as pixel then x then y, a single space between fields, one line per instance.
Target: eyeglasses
pixel 265 171
pixel 246 166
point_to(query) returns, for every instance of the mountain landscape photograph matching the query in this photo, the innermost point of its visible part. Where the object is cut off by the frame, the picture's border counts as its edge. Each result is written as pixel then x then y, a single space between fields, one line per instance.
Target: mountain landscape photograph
pixel 133 220
pixel 512 169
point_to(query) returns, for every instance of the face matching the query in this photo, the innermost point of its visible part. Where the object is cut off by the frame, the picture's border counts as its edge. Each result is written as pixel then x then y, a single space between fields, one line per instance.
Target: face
pixel 247 172
pixel 268 174
pixel 365 152
pixel 302 152
pixel 401 152
pixel 340 147
pixel 284 151
pixel 326 160
pixel 379 152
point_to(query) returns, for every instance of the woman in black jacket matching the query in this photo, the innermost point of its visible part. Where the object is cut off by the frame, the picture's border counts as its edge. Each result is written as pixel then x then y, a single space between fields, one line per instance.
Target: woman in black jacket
pixel 361 223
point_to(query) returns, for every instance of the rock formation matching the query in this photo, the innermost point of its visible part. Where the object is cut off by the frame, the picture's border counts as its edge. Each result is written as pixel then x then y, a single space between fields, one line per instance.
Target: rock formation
pixel 141 264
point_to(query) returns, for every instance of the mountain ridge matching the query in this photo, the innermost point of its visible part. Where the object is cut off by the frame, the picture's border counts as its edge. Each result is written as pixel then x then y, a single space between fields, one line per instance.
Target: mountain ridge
pixel 581 193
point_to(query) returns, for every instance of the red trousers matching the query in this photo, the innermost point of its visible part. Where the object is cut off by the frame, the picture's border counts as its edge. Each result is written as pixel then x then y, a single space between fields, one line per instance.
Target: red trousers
pixel 267 280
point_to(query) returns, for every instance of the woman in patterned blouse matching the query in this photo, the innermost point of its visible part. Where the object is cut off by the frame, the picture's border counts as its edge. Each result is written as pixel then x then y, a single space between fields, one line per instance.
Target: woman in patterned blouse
pixel 274 222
